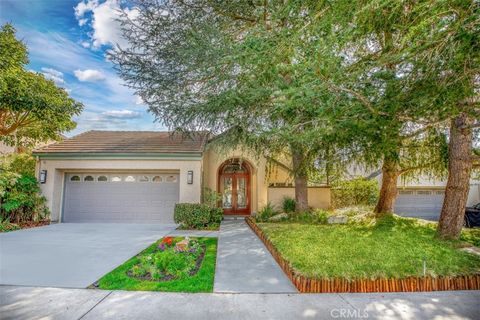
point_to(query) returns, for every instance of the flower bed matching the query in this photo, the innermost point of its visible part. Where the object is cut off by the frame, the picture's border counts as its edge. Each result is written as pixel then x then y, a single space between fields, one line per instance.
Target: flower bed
pixel 170 264
pixel 170 260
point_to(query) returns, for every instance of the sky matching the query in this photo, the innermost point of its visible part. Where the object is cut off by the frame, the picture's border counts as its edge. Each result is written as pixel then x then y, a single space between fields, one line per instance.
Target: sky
pixel 67 41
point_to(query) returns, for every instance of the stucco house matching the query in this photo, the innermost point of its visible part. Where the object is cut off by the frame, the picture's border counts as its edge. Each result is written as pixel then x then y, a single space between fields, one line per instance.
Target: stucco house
pixel 138 176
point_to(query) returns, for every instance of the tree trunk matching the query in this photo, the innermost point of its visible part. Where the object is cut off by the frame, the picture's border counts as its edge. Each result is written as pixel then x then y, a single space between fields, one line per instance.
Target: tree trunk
pixel 301 180
pixel 388 191
pixel 458 184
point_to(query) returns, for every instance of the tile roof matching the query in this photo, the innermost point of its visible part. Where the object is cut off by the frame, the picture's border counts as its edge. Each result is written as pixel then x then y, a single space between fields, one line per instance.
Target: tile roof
pixel 129 142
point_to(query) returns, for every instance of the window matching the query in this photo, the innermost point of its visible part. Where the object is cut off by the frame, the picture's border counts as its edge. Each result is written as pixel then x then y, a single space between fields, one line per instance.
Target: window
pixel 116 179
pixel 171 179
pixel 75 178
pixel 102 179
pixel 129 179
pixel 88 178
pixel 143 179
pixel 157 179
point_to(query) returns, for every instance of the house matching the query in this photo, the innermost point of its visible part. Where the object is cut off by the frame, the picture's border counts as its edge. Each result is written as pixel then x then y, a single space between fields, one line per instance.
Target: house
pixel 139 176
pixel 421 197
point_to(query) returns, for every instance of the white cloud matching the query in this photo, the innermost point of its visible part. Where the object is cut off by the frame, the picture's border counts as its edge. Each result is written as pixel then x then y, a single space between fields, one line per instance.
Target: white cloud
pixel 89 75
pixel 138 100
pixel 53 74
pixel 121 114
pixel 84 6
pixel 106 27
pixel 85 44
pixel 82 22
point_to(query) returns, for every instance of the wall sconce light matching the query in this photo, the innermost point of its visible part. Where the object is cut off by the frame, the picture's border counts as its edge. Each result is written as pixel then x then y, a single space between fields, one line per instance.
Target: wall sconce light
pixel 190 177
pixel 43 176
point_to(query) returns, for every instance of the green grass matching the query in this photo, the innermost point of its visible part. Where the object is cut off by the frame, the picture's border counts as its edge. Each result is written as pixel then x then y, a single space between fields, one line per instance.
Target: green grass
pixel 471 236
pixel 202 281
pixel 391 247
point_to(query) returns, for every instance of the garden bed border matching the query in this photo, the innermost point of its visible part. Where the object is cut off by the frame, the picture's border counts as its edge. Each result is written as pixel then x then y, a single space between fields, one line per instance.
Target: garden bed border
pixel 339 285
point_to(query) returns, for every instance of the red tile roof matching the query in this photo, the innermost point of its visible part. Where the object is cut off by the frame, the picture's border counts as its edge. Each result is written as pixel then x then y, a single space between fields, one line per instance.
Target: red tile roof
pixel 129 142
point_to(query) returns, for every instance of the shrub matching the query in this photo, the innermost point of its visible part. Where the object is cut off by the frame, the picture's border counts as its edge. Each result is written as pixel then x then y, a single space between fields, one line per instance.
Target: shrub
pixel 359 191
pixel 197 216
pixel 211 198
pixel 266 213
pixel 288 204
pixel 22 164
pixel 20 198
pixel 6 226
pixel 317 216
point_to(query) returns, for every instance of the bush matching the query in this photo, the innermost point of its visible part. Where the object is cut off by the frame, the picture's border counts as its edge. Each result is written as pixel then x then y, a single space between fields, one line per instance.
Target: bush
pixel 211 198
pixel 20 198
pixel 318 216
pixel 288 204
pixel 359 191
pixel 197 216
pixel 266 213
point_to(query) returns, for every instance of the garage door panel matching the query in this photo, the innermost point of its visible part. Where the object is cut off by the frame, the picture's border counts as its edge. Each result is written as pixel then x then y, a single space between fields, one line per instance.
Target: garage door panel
pixel 424 204
pixel 120 201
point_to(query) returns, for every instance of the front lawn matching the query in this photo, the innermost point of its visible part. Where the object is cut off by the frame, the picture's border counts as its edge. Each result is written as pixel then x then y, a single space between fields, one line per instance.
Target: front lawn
pixel 391 247
pixel 163 267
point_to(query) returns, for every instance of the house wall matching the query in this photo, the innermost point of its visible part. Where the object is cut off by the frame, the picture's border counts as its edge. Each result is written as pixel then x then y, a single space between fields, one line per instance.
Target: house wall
pixel 262 177
pixel 318 197
pixel 56 169
pixel 213 159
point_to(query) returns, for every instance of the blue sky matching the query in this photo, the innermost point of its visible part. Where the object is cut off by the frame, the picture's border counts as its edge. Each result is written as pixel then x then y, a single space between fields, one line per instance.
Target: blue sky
pixel 67 42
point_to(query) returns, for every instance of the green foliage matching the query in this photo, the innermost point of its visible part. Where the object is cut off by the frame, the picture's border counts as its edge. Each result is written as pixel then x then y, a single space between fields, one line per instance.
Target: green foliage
pixel 20 163
pixel 317 216
pixel 32 108
pixel 471 235
pixel 288 204
pixel 211 198
pixel 197 216
pixel 358 191
pixel 20 198
pixel 6 226
pixel 266 213
pixel 145 265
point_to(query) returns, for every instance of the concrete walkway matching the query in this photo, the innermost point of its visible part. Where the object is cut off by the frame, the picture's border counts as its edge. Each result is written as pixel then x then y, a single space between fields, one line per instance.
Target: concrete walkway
pixel 55 303
pixel 244 265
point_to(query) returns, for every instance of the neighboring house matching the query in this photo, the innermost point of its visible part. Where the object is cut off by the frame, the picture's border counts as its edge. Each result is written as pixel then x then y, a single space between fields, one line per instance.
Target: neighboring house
pixel 422 197
pixel 6 149
pixel 138 176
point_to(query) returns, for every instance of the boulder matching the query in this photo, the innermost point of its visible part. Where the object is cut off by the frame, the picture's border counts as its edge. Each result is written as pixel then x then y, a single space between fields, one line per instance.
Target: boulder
pixel 278 217
pixel 338 219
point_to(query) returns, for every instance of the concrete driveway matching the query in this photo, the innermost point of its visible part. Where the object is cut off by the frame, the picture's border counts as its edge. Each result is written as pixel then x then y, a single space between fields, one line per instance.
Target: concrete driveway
pixel 71 255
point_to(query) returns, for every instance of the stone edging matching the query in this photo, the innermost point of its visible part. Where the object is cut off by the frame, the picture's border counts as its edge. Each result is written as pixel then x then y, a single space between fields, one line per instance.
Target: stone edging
pixel 337 285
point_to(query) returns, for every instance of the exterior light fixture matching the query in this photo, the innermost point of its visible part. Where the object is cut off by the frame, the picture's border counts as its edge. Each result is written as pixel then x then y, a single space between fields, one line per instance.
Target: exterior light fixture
pixel 43 176
pixel 190 177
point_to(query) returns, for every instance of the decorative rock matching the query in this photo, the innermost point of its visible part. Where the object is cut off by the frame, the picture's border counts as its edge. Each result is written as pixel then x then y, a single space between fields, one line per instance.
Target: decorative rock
pixel 182 246
pixel 337 219
pixel 278 217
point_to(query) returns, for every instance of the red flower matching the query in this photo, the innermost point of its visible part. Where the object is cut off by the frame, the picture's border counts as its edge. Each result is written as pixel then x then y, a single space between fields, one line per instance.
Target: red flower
pixel 167 240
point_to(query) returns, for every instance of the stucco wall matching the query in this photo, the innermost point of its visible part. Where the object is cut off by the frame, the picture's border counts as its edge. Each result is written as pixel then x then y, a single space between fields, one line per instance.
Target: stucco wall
pixel 53 188
pixel 212 161
pixel 318 197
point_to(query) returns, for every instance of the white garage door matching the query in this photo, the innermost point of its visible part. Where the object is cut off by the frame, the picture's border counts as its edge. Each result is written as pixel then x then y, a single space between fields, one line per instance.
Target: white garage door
pixel 120 197
pixel 425 204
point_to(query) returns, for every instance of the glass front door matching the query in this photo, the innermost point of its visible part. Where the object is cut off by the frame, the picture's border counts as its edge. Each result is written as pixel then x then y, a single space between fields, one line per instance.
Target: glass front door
pixel 235 189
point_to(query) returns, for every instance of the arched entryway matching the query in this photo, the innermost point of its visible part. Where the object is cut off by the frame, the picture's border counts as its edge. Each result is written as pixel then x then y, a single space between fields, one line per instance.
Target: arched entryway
pixel 234 179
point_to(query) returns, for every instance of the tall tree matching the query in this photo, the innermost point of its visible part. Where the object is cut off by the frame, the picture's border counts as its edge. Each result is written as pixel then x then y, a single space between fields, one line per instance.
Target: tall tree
pixel 227 67
pixel 32 108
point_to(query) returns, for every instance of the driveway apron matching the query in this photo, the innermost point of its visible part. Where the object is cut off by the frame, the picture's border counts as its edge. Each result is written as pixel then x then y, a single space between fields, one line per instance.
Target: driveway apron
pixel 244 265
pixel 71 255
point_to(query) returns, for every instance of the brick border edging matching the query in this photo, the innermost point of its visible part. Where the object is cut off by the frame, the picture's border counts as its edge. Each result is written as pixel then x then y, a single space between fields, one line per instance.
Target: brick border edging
pixel 338 285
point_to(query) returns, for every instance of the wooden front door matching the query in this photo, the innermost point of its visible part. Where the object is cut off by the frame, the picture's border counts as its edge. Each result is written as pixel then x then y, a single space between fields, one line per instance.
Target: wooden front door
pixel 234 186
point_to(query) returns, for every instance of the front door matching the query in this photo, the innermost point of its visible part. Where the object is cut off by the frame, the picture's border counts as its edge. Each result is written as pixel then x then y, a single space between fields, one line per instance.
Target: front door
pixel 235 188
